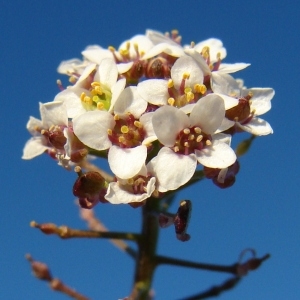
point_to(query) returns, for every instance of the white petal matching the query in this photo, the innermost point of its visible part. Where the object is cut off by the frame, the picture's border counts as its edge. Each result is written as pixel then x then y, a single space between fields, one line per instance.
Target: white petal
pixel 157 37
pixel 70 66
pixel 199 59
pixel 32 124
pixel 167 122
pixel 124 67
pixel 224 84
pixel 126 163
pixel 146 120
pixel 53 113
pixel 208 113
pixel 173 170
pixel 257 126
pixel 215 48
pixel 96 54
pixel 186 64
pixel 107 72
pixel 154 91
pixel 229 102
pixel 231 68
pixel 34 147
pixel 261 99
pixel 130 101
pixel 91 128
pixel 116 90
pixel 71 99
pixel 218 155
pixel 226 124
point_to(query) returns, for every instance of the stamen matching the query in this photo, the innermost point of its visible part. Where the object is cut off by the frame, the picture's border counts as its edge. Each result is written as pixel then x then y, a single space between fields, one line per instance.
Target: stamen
pixel 78 170
pixel 185 75
pixel 176 149
pixel 186 131
pixel 121 139
pixel 199 138
pixel 100 106
pixel 73 79
pixel 197 130
pixel 171 101
pixel 200 88
pixel 191 137
pixel 170 83
pixel 130 181
pixel 192 44
pixel 116 118
pixel 208 143
pixel 138 124
pixel 186 144
pixel 124 129
pixel 109 132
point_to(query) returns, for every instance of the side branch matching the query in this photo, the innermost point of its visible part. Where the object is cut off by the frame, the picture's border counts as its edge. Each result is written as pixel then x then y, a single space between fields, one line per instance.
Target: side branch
pixel 191 264
pixel 66 232
pixel 41 271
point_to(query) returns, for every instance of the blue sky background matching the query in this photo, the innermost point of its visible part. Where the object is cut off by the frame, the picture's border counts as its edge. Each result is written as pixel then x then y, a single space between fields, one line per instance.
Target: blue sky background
pixel 261 210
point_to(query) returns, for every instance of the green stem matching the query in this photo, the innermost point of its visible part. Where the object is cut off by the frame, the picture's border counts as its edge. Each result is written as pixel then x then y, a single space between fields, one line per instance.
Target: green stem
pixel 146 258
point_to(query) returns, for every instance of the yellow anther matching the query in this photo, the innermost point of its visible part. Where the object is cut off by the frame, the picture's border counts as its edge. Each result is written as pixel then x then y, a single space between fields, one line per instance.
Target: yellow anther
pixel 95 83
pixel 197 130
pixel 86 99
pixel 191 137
pixel 205 52
pixel 187 90
pixel 199 138
pixel 250 94
pixel 100 106
pixel 124 129
pixel 186 131
pixel 130 181
pixel 190 96
pixel 155 193
pixel 121 139
pixel 171 101
pixel 43 131
pixel 192 44
pixel 111 48
pixel 200 88
pixel 185 75
pixel 186 144
pixel 208 143
pixel 175 32
pixel 136 47
pixel 142 53
pixel 116 117
pixel 170 83
pixel 73 79
pixel 138 124
pixel 176 149
pixel 253 111
pixel 127 45
pixel 236 119
pixel 218 55
pixel 109 131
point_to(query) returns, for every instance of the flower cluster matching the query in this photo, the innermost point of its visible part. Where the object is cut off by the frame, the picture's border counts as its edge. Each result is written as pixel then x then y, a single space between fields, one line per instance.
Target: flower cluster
pixel 156 109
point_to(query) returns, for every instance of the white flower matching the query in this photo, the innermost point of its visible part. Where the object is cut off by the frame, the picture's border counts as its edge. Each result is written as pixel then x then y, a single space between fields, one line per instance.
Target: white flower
pixel 53 120
pixel 184 87
pixel 188 140
pixel 97 88
pixel 136 189
pixel 251 103
pixel 124 134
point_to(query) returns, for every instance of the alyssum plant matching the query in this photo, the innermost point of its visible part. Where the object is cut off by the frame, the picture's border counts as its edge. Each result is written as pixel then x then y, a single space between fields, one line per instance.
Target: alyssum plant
pixel 163 115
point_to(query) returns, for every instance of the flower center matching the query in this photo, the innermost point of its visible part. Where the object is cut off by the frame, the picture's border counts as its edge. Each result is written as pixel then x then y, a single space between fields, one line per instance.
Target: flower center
pixel 184 95
pixel 190 139
pixel 241 112
pixel 55 136
pixel 100 97
pixel 127 133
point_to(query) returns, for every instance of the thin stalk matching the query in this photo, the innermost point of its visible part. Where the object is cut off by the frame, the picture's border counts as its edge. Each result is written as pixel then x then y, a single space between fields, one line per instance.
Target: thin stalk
pixel 146 258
